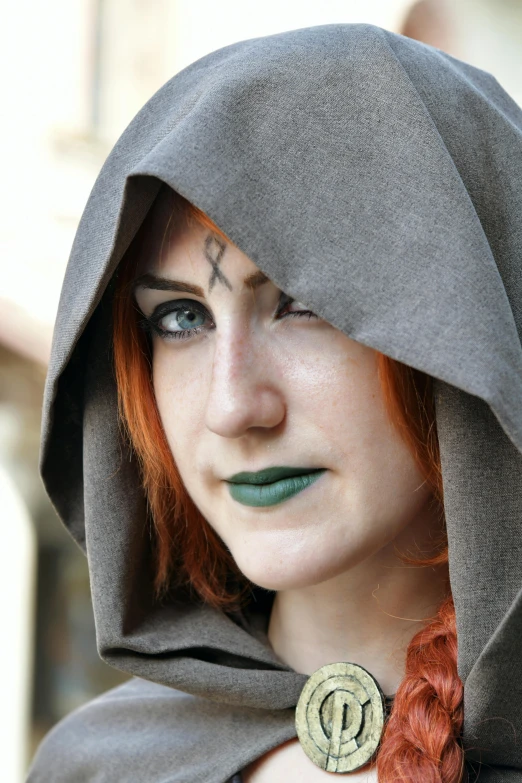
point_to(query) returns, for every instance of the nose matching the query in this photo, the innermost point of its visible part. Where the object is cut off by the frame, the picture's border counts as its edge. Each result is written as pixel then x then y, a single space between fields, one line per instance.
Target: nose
pixel 245 387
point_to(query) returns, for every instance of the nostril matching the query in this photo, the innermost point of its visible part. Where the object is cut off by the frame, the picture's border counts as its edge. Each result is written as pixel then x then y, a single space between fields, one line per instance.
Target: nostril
pixel 233 414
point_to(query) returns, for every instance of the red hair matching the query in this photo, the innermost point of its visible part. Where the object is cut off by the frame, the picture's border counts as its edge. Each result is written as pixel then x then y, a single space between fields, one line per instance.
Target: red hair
pixel 421 740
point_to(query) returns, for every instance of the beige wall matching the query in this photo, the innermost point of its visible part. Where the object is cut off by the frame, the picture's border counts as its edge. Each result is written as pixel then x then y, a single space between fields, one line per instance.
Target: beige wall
pixel 489 36
pixel 202 27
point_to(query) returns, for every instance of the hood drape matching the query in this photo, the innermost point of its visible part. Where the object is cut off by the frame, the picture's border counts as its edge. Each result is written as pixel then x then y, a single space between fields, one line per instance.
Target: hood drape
pixel 378 180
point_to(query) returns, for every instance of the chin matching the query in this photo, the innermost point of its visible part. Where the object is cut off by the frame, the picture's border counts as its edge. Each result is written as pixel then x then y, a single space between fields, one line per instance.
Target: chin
pixel 278 582
pixel 277 568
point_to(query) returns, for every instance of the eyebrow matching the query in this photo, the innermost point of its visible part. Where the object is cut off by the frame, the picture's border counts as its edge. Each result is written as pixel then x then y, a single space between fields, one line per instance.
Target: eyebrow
pixel 149 280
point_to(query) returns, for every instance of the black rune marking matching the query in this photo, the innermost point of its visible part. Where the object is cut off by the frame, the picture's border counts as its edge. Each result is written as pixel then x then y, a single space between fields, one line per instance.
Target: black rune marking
pixel 214 249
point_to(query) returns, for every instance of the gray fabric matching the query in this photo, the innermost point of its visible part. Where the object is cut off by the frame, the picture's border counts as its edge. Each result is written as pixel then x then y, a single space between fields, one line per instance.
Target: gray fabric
pixel 157 731
pixel 377 180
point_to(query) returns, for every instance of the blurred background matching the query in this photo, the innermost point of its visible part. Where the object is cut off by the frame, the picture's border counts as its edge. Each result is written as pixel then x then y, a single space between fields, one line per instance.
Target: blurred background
pixel 74 73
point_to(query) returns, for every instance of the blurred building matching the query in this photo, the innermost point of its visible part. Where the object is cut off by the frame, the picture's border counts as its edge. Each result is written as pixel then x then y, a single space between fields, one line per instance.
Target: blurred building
pixel 75 73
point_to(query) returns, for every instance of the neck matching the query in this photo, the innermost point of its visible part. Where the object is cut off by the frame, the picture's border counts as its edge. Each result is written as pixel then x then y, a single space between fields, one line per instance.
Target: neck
pixel 367 615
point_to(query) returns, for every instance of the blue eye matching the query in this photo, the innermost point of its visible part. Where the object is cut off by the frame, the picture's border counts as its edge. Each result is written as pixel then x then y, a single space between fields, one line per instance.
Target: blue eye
pixel 177 320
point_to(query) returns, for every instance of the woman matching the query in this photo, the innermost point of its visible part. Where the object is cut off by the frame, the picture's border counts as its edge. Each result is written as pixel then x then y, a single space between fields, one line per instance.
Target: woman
pixel 285 395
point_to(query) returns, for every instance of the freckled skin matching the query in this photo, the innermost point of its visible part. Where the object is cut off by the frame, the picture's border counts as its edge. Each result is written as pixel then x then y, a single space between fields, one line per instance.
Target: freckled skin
pixel 258 391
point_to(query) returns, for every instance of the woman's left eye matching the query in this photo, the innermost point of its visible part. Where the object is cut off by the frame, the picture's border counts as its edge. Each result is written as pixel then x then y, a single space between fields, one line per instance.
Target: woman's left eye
pixel 289 307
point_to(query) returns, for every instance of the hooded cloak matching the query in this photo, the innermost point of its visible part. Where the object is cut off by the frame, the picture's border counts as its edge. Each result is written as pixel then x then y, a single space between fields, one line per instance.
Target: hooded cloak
pixel 379 181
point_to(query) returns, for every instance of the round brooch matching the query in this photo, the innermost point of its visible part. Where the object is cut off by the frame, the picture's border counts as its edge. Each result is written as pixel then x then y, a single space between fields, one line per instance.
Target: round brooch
pixel 339 717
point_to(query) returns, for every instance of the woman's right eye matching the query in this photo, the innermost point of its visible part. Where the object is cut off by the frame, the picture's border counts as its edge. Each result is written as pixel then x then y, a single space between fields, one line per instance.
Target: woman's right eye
pixel 180 320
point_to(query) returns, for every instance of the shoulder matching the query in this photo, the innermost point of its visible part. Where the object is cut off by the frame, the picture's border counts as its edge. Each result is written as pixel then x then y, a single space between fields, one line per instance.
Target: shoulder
pixel 105 739
pixel 143 732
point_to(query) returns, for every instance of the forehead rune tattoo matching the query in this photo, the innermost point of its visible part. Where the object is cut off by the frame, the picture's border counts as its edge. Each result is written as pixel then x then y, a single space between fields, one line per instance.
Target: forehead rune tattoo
pixel 214 250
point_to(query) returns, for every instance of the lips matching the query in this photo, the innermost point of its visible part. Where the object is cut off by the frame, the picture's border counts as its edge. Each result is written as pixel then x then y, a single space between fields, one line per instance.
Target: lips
pixel 269 475
pixel 272 485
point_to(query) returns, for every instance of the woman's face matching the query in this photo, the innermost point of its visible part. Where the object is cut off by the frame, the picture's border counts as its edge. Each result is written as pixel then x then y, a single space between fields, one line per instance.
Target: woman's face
pixel 248 380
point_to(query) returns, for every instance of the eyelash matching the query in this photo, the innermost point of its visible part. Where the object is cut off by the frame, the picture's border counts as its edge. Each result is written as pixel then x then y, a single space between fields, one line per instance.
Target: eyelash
pixel 151 324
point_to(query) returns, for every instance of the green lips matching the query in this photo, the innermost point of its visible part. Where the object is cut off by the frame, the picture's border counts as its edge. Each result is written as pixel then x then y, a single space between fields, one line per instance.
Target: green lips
pixel 272 485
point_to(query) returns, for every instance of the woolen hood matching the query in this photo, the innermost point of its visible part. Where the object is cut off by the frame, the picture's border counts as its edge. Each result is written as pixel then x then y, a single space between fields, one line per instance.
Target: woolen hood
pixel 378 180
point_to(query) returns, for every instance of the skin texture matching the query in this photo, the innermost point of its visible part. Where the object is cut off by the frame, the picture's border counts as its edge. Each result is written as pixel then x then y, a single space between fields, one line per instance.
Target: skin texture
pixel 255 389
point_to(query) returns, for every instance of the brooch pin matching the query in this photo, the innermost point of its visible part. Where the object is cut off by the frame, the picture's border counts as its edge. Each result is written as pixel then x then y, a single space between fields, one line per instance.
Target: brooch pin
pixel 340 716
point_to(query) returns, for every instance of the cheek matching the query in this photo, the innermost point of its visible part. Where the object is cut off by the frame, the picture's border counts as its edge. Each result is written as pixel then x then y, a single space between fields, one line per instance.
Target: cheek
pixel 384 487
pixel 180 399
pixel 335 388
pixel 383 477
pixel 377 477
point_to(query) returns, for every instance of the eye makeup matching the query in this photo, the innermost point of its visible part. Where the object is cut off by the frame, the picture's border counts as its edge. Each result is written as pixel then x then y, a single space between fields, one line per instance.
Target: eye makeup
pixel 189 312
pixel 180 310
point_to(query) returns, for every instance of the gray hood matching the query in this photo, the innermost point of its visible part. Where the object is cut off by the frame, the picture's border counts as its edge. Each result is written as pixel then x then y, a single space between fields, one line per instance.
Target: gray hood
pixel 380 181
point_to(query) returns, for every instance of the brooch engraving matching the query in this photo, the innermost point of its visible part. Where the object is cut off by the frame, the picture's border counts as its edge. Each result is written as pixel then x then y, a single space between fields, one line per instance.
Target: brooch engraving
pixel 339 717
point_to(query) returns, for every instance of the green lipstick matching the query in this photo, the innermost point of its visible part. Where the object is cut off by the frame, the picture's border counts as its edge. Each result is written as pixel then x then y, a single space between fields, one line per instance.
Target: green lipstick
pixel 272 485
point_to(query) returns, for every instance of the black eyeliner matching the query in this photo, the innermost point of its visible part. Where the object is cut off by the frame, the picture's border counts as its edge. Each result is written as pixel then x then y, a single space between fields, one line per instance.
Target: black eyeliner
pixel 150 324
